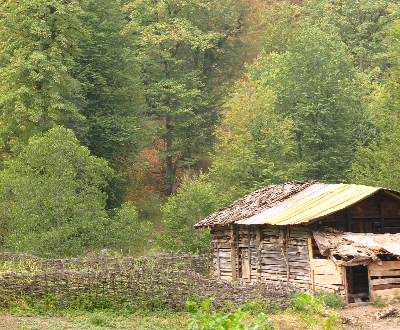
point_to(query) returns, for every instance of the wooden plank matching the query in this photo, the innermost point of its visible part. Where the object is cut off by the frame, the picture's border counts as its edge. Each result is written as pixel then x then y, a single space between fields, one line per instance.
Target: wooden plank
pixel 387 292
pixel 384 281
pixel 325 266
pixel 362 227
pixel 233 260
pixel 384 272
pixel 218 265
pixel 259 254
pixel 363 303
pixel 237 251
pixel 351 278
pixel 287 255
pixel 348 219
pixel 310 250
pixel 327 279
pixel 249 252
pixel 382 209
pixel 245 265
pixel 369 283
pixel 312 281
pixel 386 265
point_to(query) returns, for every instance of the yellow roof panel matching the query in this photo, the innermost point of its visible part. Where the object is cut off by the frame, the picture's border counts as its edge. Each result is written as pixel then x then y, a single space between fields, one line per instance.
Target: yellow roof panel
pixel 316 201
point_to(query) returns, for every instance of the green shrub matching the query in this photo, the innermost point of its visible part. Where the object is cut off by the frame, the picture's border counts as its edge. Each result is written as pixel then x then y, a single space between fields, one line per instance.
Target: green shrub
pixel 52 197
pixel 99 320
pixel 206 319
pixel 331 300
pixel 194 200
pixel 125 231
pixel 378 301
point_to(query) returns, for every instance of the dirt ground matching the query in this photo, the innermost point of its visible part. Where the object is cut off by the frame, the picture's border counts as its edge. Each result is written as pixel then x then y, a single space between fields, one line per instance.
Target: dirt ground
pixel 364 317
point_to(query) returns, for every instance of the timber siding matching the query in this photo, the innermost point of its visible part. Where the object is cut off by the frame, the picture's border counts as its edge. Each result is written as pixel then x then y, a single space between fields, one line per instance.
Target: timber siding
pixel 276 254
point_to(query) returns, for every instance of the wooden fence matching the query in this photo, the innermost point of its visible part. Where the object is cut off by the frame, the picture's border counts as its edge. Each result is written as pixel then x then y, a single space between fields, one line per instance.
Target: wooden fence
pixel 168 280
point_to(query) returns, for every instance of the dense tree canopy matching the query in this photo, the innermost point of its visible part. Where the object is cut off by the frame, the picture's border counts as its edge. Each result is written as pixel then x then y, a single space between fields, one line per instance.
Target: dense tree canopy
pixel 317 87
pixel 250 92
pixel 38 45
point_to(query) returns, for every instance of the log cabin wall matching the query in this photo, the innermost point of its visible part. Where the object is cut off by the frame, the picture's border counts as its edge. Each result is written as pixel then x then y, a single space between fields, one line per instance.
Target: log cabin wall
pixel 221 252
pixel 276 254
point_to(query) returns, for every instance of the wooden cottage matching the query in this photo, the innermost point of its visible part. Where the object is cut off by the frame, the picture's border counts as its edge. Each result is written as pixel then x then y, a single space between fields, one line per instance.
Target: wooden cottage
pixel 322 237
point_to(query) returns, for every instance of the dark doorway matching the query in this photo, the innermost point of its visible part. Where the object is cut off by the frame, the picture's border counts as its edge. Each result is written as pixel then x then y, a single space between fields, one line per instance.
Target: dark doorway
pixel 357 284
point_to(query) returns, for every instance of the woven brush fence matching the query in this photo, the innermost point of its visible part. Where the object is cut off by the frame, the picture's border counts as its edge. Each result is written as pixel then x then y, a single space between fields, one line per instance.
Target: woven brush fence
pixel 167 280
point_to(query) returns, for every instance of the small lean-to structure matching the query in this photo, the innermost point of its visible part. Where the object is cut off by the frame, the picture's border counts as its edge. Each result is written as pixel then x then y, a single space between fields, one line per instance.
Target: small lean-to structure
pixel 341 238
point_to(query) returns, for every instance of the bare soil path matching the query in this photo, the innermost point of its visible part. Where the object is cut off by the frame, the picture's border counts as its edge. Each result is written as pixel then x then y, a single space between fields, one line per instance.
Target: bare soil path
pixel 364 317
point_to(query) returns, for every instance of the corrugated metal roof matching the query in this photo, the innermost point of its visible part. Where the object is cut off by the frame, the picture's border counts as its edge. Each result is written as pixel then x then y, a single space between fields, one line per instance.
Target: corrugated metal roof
pixel 318 200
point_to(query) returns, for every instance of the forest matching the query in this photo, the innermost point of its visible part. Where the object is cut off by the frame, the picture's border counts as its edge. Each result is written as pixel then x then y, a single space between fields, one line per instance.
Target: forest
pixel 124 122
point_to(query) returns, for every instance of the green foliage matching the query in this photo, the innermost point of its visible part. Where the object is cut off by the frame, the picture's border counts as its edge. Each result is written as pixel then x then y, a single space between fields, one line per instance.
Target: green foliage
pixel 54 201
pixel 99 320
pixel 377 164
pixel 126 232
pixel 378 301
pixel 331 300
pixel 206 319
pixel 111 91
pixel 255 147
pixel 179 46
pixel 363 26
pixel 38 43
pixel 279 20
pixel 309 307
pixel 317 88
pixel 194 200
pixel 313 305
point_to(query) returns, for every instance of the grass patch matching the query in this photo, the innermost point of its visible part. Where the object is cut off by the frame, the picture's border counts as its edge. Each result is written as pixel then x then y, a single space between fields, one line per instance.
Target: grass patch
pixel 331 300
pixel 115 313
pixel 378 301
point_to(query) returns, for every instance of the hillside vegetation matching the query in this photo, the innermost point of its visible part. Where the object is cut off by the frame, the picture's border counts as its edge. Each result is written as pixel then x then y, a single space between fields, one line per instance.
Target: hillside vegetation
pixel 122 123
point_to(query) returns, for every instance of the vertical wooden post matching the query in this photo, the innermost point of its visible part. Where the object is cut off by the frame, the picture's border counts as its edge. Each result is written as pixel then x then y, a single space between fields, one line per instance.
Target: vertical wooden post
pixel 311 257
pixel 369 284
pixel 259 249
pixel 238 252
pixel 287 255
pixel 218 264
pixel 310 248
pixel 350 282
pixel 312 281
pixel 233 252
pixel 249 251
pixel 382 229
pixel 362 226
pixel 348 217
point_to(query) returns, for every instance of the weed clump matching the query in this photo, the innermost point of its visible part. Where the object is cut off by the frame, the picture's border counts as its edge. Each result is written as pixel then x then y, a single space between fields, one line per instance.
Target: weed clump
pixel 205 318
